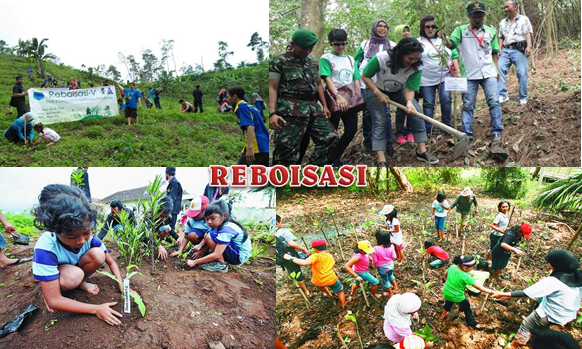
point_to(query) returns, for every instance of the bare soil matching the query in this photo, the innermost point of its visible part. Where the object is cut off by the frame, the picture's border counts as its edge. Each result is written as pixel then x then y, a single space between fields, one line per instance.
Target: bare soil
pixel 545 132
pixel 185 308
pixel 299 327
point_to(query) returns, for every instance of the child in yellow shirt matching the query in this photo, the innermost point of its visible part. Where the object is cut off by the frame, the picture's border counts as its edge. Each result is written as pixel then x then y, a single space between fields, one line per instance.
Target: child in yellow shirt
pixel 323 276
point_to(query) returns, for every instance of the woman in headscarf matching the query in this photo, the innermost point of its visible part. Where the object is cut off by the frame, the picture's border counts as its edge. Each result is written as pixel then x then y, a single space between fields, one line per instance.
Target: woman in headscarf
pixel 377 42
pixel 399 311
pixel 21 126
pixel 560 293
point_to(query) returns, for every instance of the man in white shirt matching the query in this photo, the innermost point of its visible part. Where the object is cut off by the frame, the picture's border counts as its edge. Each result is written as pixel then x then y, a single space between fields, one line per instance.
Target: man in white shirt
pixel 515 42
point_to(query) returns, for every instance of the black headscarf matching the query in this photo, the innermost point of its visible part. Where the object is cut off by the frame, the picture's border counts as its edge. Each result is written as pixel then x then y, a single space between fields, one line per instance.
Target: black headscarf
pixel 565 267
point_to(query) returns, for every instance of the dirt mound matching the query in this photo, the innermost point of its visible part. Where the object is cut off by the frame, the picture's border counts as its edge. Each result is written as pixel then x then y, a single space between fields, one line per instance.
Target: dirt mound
pixel 185 309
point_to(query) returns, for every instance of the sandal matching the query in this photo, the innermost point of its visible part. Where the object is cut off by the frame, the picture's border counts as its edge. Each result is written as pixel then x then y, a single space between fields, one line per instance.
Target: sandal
pixel 18 261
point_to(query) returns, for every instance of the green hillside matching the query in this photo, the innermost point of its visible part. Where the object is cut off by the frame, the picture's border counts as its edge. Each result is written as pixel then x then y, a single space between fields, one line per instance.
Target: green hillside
pixel 163 137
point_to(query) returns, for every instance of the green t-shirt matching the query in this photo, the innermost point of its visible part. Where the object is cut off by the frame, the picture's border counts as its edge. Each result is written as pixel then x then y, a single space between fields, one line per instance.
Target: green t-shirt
pixel 385 80
pixel 457 280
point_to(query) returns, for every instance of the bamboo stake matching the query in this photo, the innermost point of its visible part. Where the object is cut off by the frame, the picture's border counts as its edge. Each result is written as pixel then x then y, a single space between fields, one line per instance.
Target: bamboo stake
pixel 334 223
pixel 339 335
pixel 364 293
pixel 456 225
pixel 517 268
pixel 341 250
pixel 485 301
pixel 574 238
pixel 307 303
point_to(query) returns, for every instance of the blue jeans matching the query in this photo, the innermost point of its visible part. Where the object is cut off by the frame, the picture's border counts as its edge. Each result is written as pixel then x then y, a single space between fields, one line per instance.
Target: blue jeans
pixel 437 263
pixel 367 277
pixel 508 57
pixel 103 232
pixel 386 274
pixel 439 223
pixel 429 97
pixel 2 241
pixel 382 130
pixel 401 129
pixel 489 86
pixel 367 125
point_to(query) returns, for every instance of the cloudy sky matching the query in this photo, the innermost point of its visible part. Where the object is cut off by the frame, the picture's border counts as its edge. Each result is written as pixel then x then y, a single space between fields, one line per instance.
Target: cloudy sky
pixel 20 186
pixel 92 33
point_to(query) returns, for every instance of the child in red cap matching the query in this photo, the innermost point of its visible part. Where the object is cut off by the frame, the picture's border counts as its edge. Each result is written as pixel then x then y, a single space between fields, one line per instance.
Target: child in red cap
pixel 501 252
pixel 323 276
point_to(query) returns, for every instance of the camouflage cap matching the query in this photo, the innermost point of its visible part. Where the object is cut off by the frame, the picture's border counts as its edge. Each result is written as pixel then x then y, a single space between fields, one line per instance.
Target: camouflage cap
pixel 304 38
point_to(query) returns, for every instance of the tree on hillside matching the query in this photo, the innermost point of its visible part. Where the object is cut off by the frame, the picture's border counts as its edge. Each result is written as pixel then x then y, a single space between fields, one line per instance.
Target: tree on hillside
pixel 4 48
pixel 38 53
pixel 402 179
pixel 259 45
pixel 151 66
pixel 167 53
pixel 112 73
pixel 198 69
pixel 223 53
pixel 23 48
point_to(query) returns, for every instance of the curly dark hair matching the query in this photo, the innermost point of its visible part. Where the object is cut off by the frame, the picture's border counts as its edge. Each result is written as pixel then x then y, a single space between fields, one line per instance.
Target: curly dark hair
pixel 63 209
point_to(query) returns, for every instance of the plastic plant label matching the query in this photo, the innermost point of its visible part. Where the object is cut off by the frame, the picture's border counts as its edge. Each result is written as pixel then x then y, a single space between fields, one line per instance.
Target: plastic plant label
pixel 456 84
pixel 126 297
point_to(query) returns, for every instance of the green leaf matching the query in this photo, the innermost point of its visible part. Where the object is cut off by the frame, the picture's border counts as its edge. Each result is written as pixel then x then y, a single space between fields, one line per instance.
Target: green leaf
pixel 110 275
pixel 137 299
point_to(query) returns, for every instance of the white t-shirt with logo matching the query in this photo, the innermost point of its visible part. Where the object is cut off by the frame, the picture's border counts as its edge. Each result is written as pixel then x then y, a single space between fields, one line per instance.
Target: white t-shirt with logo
pixel 439 211
pixel 386 81
pixel 364 49
pixel 433 72
pixel 340 69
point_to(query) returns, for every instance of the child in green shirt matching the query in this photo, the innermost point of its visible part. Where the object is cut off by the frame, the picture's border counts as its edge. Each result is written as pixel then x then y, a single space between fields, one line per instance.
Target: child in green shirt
pixel 458 278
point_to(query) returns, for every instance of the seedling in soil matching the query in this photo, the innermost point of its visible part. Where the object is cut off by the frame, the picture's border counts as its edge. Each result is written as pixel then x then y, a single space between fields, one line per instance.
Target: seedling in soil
pixel 352 317
pixel 136 298
pixel 427 334
pixel 425 287
pixel 332 214
pixel 52 322
pixel 508 338
pixel 294 276
pixel 257 251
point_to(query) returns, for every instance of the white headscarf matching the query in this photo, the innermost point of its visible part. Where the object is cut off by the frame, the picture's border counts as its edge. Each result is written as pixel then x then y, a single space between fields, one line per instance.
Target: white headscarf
pixel 399 308
pixel 26 118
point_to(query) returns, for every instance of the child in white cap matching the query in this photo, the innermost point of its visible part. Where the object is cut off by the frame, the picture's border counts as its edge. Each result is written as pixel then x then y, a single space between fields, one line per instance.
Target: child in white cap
pixel 393 227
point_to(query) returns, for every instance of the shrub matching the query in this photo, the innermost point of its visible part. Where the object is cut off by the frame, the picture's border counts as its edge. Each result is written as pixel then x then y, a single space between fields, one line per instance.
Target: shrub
pixel 506 182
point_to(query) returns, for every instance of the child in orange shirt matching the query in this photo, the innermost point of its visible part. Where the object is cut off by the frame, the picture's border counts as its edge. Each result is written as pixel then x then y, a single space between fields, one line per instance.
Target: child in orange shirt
pixel 323 276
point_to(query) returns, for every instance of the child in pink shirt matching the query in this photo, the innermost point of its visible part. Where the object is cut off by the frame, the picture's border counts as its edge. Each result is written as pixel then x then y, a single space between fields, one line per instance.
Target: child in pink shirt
pixel 358 267
pixel 383 258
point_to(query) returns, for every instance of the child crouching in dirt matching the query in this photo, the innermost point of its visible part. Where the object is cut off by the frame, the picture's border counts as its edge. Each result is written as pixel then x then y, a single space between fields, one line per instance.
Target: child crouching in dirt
pixel 383 258
pixel 480 275
pixel 393 227
pixel 45 133
pixel 323 276
pixel 458 278
pixel 361 263
pixel 228 241
pixel 441 257
pixel 398 312
pixel 67 253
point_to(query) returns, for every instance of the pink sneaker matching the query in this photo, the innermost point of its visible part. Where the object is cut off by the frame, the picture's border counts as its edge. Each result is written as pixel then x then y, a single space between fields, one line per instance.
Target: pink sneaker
pixel 410 138
pixel 400 140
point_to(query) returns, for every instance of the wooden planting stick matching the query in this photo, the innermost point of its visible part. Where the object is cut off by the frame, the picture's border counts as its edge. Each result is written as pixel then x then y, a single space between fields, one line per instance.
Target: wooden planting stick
pixel 304 297
pixel 364 293
pixel 339 335
pixel 341 250
pixel 485 301
pixel 335 225
pixel 517 268
pixel 456 227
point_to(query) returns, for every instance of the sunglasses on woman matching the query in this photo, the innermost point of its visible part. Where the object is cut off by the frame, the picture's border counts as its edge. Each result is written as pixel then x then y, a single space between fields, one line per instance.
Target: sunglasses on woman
pixel 430 26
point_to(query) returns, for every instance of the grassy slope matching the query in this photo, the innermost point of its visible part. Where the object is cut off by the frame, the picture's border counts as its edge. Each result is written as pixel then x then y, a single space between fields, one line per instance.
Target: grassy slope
pixel 162 138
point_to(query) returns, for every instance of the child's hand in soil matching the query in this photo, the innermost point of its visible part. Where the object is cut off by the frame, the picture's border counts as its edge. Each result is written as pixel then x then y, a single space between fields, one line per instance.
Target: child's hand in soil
pixel 359 279
pixel 105 313
pixel 191 263
pixel 162 253
pixel 175 253
pixel 518 252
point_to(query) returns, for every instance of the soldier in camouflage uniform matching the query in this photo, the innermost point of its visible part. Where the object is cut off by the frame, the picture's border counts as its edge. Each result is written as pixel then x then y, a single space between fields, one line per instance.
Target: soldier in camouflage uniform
pixel 294 89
